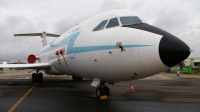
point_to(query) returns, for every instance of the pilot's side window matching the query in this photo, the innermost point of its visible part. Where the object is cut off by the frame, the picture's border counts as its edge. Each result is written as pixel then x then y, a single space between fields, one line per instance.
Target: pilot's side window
pixel 100 26
pixel 112 23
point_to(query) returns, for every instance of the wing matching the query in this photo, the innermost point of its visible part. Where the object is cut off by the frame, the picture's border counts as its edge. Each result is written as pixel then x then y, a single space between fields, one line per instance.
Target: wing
pixel 27 66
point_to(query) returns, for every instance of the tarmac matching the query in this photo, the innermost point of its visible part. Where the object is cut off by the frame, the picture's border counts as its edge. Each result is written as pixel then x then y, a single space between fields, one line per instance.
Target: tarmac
pixel 162 92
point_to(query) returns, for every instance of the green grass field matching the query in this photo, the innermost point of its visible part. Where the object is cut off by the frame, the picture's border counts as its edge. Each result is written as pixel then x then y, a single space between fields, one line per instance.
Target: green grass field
pixel 181 72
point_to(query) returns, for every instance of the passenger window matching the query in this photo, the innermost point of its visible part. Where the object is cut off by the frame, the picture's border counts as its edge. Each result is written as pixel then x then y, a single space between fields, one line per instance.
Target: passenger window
pixel 112 23
pixel 100 26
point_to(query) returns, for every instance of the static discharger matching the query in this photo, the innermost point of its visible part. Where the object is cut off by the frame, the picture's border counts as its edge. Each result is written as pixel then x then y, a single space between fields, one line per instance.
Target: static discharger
pixel 61 52
pixel 58 57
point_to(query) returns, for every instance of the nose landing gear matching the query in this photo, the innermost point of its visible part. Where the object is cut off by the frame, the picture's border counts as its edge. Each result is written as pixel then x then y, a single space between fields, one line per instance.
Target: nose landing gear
pixel 102 90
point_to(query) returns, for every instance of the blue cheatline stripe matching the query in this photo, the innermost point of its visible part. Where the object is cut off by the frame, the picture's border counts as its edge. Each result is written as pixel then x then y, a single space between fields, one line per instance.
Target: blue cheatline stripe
pixel 70 40
pixel 99 48
pixel 67 40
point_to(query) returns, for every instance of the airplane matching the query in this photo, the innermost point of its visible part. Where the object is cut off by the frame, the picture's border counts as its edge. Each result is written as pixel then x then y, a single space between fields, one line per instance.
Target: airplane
pixel 113 46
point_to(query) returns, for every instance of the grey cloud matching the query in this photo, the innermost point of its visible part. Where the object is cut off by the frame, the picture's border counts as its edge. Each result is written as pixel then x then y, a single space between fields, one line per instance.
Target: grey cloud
pixel 65 24
pixel 111 5
pixel 178 17
pixel 14 48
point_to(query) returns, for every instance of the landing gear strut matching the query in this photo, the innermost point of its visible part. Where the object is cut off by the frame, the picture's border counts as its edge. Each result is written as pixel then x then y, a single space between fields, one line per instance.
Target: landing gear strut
pixel 102 90
pixel 37 77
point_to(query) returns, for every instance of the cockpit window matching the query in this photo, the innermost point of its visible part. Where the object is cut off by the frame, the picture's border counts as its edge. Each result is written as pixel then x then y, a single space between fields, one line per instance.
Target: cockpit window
pixel 130 20
pixel 100 26
pixel 112 23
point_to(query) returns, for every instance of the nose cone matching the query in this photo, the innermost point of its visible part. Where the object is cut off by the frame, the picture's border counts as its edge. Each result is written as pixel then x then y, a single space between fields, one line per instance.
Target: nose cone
pixel 173 50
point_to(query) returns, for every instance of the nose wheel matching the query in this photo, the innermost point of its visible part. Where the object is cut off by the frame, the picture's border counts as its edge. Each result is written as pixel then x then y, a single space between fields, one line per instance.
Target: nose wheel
pixel 40 78
pixel 102 90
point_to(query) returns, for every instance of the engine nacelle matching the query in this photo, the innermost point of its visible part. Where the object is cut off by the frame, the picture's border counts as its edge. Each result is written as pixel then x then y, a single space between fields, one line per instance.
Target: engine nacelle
pixel 31 58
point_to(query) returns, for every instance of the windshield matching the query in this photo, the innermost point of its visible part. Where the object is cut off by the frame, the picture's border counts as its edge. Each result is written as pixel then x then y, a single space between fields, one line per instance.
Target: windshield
pixel 130 20
pixel 100 26
pixel 112 23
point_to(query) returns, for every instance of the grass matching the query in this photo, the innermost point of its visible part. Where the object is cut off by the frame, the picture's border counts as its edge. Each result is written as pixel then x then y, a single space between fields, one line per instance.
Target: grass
pixel 181 72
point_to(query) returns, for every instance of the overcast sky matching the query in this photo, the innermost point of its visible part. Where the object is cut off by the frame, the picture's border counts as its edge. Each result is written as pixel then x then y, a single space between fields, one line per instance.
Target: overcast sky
pixel 179 17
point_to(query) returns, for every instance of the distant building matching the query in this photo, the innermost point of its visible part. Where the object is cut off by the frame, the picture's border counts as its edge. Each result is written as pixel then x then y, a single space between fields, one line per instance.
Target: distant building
pixel 1 69
pixel 193 61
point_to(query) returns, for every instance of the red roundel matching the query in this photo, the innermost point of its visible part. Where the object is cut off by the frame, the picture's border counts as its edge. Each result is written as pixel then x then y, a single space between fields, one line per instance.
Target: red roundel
pixel 57 53
pixel 31 58
pixel 61 51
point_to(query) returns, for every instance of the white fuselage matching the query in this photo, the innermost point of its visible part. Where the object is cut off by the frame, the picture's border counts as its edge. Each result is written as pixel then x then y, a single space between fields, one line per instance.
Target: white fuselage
pixel 95 54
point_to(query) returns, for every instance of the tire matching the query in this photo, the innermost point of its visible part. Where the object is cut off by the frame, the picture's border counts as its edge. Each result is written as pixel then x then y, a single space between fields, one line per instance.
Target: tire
pixel 73 78
pixel 34 77
pixel 40 78
pixel 107 91
pixel 99 92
